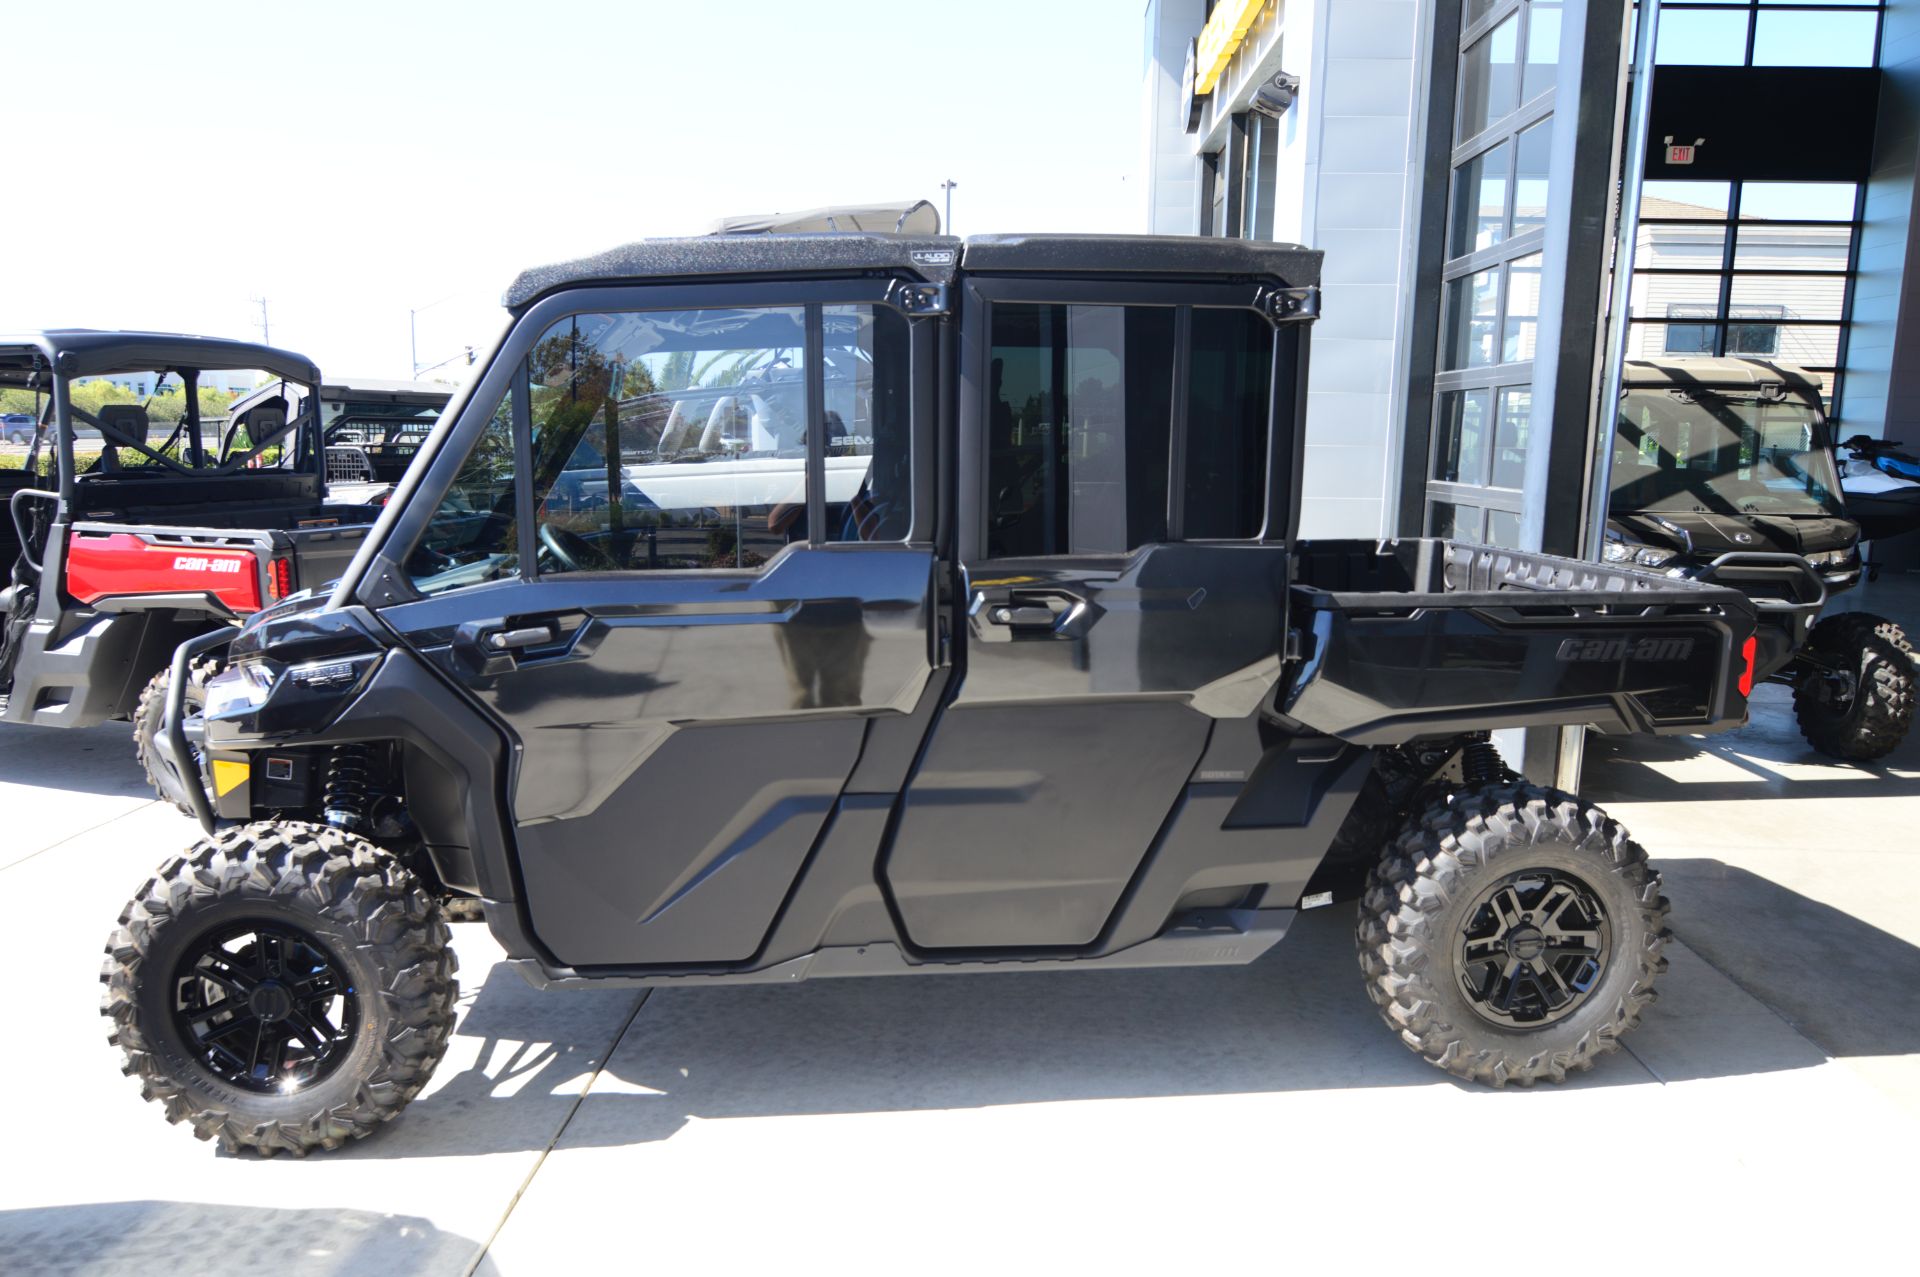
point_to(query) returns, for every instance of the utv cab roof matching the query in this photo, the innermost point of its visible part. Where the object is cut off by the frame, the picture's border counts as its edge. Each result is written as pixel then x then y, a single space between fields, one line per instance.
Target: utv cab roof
pixel 84 352
pixel 1740 374
pixel 932 258
pixel 378 390
pixel 362 392
pixel 915 218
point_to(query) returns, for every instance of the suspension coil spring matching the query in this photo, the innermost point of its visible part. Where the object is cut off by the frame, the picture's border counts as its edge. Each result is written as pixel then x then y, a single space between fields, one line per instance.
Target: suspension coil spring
pixel 1480 763
pixel 343 803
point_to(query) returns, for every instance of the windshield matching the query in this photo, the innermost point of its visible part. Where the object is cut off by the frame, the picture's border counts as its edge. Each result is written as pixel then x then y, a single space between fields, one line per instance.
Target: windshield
pixel 1697 450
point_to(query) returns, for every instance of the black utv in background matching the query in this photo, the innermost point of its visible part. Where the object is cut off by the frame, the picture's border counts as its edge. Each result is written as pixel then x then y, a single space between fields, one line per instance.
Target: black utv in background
pixel 939 609
pixel 1724 470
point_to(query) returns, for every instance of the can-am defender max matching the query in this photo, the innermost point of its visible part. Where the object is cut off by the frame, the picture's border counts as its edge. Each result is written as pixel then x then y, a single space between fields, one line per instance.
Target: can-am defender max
pixel 940 611
pixel 1724 470
pixel 159 531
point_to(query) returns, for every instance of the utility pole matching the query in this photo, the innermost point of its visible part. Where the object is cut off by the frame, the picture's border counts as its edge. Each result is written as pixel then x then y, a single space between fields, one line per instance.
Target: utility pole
pixel 946 223
pixel 266 331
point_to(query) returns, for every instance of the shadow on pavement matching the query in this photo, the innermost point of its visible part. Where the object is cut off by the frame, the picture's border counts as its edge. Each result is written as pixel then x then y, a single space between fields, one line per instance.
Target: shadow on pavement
pixel 1846 985
pixel 1774 759
pixel 213 1241
pixel 1298 1020
pixel 90 760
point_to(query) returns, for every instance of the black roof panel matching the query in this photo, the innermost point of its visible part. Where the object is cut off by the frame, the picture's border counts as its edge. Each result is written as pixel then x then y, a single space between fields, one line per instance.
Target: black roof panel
pixel 931 258
pixel 717 256
pixel 1288 264
pixel 85 352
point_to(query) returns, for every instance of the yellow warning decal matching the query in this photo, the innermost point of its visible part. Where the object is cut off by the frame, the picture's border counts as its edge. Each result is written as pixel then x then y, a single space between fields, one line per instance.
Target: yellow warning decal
pixel 229 776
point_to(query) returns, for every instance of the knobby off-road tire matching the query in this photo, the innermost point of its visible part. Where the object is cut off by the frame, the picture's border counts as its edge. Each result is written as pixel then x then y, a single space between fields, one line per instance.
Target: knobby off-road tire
pixel 341 899
pixel 166 782
pixel 1873 721
pixel 1435 879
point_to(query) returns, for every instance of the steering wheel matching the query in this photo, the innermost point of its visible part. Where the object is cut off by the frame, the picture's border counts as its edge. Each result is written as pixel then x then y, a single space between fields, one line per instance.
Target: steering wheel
pixel 569 549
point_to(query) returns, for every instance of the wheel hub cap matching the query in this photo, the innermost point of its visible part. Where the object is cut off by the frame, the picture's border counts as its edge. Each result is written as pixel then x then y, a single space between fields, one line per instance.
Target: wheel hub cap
pixel 270 1002
pixel 1526 944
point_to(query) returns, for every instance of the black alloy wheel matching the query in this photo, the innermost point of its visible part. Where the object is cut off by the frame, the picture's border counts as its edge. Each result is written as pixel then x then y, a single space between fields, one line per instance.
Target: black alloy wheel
pixel 264 1006
pixel 1534 945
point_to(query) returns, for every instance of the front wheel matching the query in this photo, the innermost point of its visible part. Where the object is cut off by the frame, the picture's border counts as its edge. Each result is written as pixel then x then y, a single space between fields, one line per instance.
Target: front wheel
pixel 1857 703
pixel 1512 934
pixel 283 986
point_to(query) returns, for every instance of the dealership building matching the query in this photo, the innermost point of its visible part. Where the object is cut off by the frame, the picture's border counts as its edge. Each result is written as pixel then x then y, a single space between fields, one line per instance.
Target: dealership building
pixel 1457 160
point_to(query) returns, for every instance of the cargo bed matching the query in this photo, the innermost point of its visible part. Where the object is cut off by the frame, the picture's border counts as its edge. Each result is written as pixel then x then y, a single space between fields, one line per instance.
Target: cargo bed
pixel 1425 637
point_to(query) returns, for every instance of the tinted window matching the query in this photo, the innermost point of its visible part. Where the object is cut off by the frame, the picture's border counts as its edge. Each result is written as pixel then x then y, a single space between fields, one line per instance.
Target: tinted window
pixel 1229 391
pixel 1079 403
pixel 472 536
pixel 678 439
pixel 669 439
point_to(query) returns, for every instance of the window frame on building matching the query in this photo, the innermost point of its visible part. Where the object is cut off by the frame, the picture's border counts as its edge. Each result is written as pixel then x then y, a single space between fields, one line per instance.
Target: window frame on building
pixel 1727 274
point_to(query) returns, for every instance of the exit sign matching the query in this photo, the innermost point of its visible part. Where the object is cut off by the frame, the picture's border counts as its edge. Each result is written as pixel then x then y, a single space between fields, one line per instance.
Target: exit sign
pixel 1680 154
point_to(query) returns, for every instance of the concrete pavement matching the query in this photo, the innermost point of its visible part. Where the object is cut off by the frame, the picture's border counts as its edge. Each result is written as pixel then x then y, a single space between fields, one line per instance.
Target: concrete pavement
pixel 1017 1123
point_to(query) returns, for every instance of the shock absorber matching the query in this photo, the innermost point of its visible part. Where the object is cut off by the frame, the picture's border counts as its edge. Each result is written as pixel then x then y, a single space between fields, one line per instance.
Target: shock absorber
pixel 1480 763
pixel 343 802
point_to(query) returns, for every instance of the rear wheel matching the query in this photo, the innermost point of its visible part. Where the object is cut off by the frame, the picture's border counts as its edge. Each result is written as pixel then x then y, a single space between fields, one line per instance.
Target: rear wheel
pixel 281 987
pixel 1512 934
pixel 1861 705
pixel 162 775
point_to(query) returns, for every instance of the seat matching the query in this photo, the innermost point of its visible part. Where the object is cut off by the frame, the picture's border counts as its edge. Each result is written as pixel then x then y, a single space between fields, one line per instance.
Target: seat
pixel 714 438
pixel 673 437
pixel 122 425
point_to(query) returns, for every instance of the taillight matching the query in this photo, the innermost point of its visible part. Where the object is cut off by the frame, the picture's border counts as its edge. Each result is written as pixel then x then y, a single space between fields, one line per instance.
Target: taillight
pixel 1746 675
pixel 280 579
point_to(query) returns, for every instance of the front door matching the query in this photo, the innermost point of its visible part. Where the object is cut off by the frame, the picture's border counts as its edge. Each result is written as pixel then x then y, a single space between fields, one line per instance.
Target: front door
pixel 690 608
pixel 1126 593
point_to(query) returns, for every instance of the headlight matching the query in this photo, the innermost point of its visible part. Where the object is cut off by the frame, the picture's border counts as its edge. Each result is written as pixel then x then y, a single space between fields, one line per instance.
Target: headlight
pixel 1831 558
pixel 238 689
pixel 1646 556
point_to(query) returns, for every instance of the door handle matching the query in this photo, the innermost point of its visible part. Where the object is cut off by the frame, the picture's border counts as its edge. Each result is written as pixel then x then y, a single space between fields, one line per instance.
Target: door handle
pixel 529 636
pixel 1032 614
pixel 1027 614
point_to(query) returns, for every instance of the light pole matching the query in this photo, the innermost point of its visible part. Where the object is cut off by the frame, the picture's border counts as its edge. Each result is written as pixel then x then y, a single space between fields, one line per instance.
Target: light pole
pixel 946 223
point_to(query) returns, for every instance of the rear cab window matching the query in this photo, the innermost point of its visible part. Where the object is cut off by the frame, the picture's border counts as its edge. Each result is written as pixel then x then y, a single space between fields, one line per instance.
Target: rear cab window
pixel 1110 428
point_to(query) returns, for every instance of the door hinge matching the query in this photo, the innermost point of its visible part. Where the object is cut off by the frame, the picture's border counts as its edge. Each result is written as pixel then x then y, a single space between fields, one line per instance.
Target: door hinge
pixel 1289 305
pixel 1295 647
pixel 917 299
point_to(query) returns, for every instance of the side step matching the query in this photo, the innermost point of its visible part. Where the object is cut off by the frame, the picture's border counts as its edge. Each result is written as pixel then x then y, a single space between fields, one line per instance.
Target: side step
pixel 1210 938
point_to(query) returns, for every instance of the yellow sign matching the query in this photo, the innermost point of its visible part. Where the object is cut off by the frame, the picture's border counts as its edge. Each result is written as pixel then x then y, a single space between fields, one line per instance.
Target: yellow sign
pixel 228 776
pixel 1220 37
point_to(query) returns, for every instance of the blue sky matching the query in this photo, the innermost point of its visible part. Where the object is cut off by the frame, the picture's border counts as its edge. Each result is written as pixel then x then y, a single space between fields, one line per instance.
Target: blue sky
pixel 351 160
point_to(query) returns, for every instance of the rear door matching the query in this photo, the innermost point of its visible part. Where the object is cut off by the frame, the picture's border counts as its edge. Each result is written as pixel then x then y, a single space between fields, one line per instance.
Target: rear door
pixel 680 565
pixel 1125 474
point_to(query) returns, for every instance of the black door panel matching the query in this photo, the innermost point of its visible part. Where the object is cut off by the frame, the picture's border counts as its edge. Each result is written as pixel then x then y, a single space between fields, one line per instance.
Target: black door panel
pixel 1201 622
pixel 681 734
pixel 688 861
pixel 1025 822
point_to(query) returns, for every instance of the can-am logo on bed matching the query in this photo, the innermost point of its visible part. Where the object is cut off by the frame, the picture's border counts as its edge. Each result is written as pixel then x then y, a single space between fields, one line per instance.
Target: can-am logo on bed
pixel 199 563
pixel 1622 649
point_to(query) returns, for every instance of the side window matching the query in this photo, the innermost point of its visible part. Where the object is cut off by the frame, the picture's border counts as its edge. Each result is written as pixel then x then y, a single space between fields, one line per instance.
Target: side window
pixel 472 535
pixel 1079 402
pixel 1229 394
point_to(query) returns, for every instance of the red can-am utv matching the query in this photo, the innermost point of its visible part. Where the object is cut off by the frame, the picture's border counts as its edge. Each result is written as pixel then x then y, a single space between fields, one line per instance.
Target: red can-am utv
pixel 136 525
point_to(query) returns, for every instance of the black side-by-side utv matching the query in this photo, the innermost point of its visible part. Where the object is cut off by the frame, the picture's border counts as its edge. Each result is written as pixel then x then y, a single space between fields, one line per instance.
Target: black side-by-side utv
pixel 1724 471
pixel 938 608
